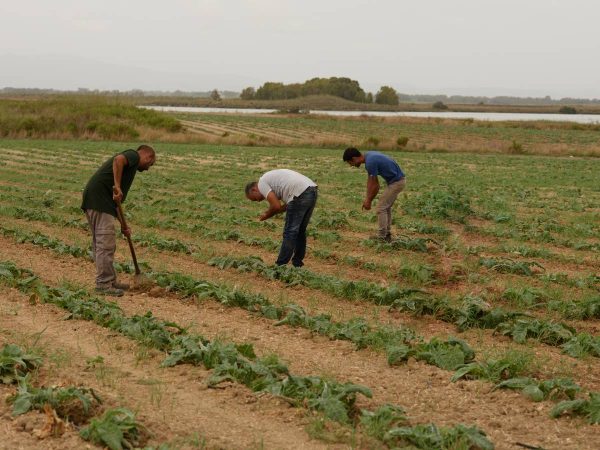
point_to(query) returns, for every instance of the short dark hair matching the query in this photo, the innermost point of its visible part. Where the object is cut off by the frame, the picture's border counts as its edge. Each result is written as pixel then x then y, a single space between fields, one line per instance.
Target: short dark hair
pixel 249 186
pixel 350 153
pixel 147 149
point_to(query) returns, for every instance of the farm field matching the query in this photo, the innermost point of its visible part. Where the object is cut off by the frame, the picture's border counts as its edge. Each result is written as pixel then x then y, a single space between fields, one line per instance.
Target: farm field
pixel 478 326
pixel 404 133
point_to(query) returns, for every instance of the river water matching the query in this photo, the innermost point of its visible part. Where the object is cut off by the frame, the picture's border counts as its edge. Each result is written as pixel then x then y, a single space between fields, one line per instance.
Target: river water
pixel 494 117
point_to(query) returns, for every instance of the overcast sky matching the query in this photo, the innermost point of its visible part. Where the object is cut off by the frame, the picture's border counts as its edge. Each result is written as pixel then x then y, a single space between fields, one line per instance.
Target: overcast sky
pixel 472 47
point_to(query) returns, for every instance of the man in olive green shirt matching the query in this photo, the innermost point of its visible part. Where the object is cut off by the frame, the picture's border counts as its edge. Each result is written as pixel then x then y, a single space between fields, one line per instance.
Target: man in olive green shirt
pixel 109 184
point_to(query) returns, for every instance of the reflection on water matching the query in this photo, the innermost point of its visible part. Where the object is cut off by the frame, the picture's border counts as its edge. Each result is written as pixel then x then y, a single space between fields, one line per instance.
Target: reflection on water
pixel 495 117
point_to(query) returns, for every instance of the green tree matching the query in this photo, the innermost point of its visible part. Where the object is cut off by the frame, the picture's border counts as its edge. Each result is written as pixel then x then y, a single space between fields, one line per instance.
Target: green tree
pixel 215 95
pixel 271 91
pixel 386 96
pixel 248 93
pixel 369 98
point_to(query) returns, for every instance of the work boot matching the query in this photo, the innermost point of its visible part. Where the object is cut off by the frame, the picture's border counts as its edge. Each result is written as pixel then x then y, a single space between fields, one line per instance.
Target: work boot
pixel 122 286
pixel 378 238
pixel 109 290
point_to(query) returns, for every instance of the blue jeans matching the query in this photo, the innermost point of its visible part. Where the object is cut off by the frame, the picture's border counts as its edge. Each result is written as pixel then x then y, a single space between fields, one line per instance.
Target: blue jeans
pixel 298 214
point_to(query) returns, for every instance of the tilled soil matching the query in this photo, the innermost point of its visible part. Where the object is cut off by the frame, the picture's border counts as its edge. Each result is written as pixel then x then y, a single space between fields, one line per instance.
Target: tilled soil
pixel 175 403
pixel 425 391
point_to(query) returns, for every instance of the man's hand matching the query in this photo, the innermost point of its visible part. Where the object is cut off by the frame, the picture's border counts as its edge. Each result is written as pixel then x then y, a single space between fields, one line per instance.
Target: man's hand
pixel 263 217
pixel 117 194
pixel 366 205
pixel 126 232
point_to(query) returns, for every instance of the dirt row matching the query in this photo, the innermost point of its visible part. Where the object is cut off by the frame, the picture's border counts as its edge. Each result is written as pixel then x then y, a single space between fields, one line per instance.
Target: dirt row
pixel 175 403
pixel 424 390
pixel 309 298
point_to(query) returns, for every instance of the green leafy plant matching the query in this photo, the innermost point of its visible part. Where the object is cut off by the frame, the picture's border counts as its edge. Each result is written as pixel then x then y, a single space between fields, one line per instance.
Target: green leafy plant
pixel 541 390
pixel 172 245
pixel 74 404
pixel 377 423
pixel 402 242
pixel 526 296
pixel 511 365
pixel 117 429
pixel 581 345
pixel 451 203
pixel 588 408
pixel 14 362
pixel 432 437
pixel 510 266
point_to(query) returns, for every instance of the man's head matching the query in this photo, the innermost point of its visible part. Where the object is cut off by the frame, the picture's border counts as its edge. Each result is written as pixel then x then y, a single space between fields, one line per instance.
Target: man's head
pixel 353 157
pixel 147 157
pixel 252 192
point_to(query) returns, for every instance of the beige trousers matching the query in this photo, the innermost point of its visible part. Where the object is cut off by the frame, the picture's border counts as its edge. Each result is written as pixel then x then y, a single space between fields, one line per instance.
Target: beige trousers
pixel 104 243
pixel 384 206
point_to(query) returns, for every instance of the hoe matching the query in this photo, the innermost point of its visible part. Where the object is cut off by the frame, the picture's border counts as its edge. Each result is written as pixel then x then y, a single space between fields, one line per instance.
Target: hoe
pixel 140 281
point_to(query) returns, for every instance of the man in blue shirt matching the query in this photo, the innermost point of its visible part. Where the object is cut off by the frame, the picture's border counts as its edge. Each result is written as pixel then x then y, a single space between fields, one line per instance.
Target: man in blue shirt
pixel 378 164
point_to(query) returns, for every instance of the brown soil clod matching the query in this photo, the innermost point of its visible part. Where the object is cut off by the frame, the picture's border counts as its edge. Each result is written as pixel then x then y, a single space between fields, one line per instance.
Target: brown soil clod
pixel 141 283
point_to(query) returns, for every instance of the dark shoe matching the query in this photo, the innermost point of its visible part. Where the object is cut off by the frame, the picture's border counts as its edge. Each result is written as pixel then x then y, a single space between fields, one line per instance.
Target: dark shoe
pixel 112 291
pixel 122 286
pixel 376 237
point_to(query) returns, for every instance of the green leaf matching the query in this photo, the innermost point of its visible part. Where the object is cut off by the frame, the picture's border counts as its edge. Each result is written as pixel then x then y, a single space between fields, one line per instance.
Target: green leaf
pixel 21 405
pixel 398 354
pixel 247 350
pixel 534 393
pixel 111 435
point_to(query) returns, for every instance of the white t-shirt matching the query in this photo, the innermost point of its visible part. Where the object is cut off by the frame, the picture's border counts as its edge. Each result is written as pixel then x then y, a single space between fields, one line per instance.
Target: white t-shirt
pixel 285 183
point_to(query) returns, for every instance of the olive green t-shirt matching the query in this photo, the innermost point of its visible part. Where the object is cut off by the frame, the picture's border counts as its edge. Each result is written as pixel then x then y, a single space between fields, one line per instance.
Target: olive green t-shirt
pixel 98 193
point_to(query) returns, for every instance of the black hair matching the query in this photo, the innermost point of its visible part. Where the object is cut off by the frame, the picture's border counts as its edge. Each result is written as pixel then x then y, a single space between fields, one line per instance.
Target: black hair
pixel 350 153
pixel 249 186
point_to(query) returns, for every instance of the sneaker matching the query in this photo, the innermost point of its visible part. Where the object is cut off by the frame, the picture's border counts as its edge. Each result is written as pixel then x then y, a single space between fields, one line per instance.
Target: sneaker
pixel 123 286
pixel 112 291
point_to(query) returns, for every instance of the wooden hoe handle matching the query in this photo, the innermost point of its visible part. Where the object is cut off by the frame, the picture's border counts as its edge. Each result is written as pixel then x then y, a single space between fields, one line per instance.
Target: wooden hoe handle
pixel 121 218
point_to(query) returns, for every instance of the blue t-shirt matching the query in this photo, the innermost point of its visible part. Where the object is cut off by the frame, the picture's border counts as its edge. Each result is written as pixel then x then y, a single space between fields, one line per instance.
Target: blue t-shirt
pixel 379 164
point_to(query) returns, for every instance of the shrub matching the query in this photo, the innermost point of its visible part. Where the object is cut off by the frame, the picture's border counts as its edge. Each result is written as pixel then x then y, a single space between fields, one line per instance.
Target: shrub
pixel 402 141
pixel 440 105
pixel 516 148
pixel 372 140
pixel 567 110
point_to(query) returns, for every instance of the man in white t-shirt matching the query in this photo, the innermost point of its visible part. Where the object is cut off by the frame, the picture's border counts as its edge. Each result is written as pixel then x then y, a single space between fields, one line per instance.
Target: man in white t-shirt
pixel 289 191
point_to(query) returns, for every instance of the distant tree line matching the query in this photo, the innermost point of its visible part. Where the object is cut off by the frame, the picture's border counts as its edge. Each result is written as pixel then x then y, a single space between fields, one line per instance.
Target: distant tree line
pixel 337 86
pixel 499 100
pixel 342 87
pixel 132 92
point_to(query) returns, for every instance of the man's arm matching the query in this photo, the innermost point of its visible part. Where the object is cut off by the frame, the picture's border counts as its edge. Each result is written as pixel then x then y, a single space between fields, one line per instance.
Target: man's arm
pixel 119 163
pixel 275 207
pixel 372 190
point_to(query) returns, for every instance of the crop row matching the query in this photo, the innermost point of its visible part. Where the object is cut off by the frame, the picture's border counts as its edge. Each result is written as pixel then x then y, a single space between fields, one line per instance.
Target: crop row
pixel 240 364
pixel 473 313
pixel 399 343
pixel 117 428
